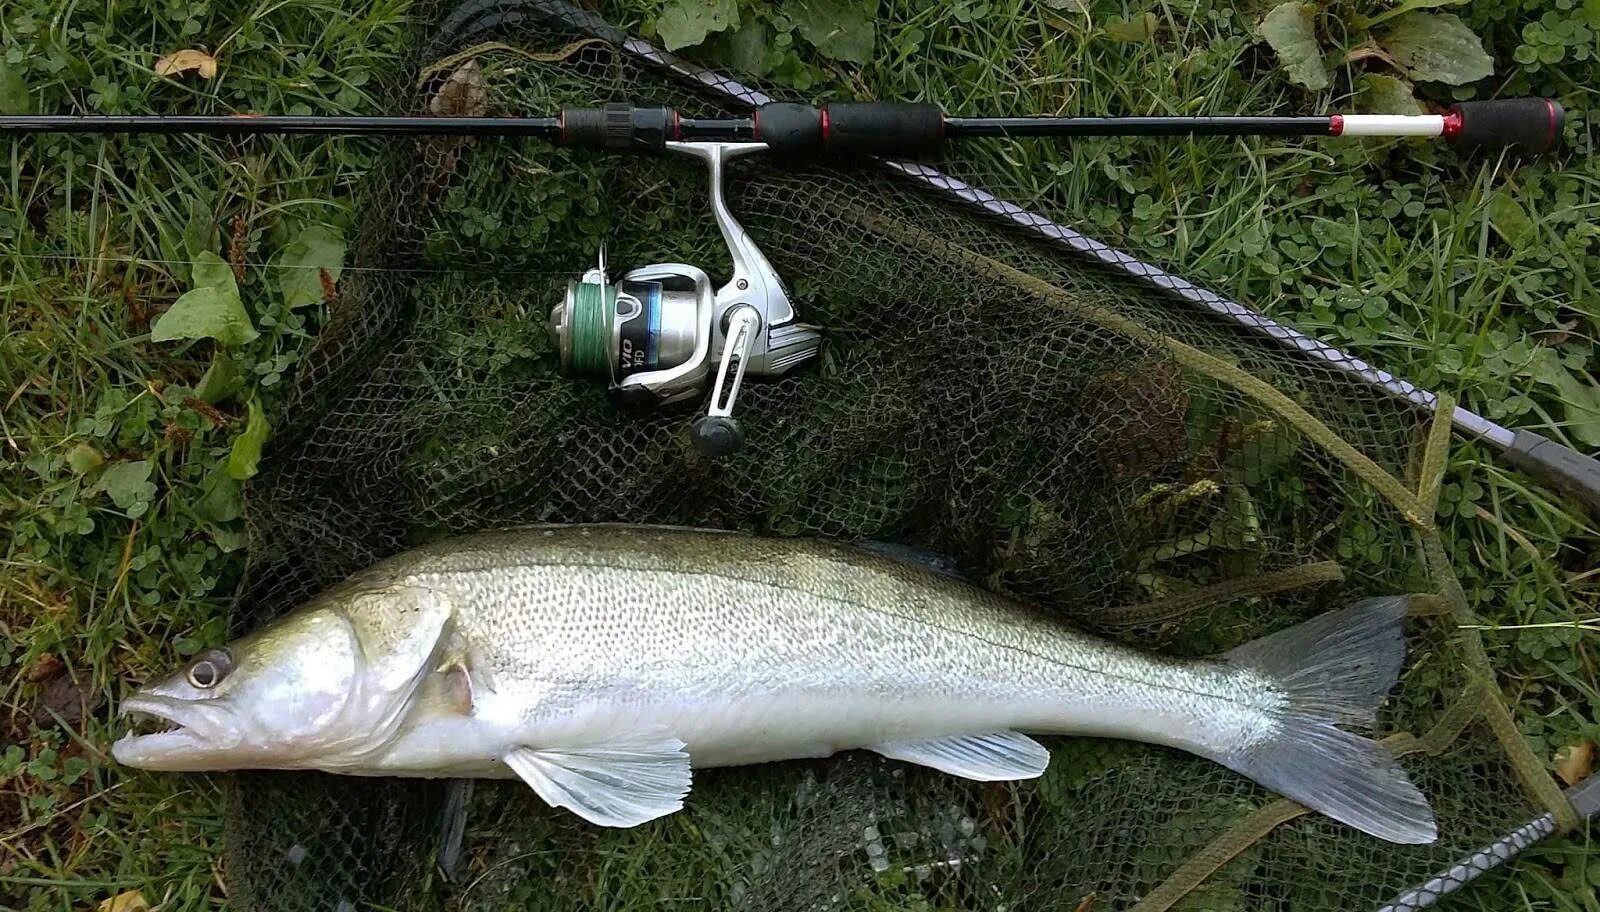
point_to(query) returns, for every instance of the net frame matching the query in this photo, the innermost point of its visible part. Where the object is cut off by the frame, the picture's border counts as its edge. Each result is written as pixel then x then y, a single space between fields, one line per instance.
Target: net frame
pixel 1406 485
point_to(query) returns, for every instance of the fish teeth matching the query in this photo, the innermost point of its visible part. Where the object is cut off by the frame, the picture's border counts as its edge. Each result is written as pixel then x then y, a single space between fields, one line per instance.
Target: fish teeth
pixel 150 724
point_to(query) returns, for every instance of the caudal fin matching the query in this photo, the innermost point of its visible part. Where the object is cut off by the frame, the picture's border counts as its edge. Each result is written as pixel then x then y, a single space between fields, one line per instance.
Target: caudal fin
pixel 1337 668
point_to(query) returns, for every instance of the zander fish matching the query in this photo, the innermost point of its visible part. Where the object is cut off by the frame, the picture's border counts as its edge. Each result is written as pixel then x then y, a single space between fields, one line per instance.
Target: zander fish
pixel 600 663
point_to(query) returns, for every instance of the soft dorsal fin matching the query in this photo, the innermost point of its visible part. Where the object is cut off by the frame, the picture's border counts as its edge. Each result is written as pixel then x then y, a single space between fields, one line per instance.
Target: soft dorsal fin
pixel 619 784
pixel 920 558
pixel 993 757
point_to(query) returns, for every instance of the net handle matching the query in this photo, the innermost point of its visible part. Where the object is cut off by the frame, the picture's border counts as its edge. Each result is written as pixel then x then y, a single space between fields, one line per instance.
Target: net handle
pixel 1585 798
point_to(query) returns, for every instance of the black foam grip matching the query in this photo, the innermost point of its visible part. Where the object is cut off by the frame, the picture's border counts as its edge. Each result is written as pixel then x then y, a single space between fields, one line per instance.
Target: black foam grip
pixel 789 129
pixel 882 127
pixel 583 127
pixel 1531 124
pixel 617 127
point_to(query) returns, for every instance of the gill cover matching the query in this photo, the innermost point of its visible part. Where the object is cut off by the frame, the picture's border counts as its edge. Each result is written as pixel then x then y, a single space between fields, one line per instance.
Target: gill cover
pixel 396 633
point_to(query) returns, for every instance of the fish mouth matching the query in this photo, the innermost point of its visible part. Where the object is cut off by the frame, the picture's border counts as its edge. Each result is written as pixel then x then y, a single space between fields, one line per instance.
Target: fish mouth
pixel 170 734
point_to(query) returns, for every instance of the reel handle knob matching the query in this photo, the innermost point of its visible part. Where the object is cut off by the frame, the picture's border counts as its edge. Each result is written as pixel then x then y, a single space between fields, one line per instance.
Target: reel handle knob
pixel 716 436
pixel 716 433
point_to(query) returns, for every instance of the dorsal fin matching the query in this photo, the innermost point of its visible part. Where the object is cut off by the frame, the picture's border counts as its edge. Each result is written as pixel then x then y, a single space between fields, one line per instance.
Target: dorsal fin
pixel 920 558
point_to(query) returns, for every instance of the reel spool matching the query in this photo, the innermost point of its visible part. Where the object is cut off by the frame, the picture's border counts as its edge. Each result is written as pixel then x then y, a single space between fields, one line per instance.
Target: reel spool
pixel 661 334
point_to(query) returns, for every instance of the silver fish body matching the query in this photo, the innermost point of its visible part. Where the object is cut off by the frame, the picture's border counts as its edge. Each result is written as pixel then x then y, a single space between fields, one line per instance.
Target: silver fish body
pixel 599 663
pixel 751 650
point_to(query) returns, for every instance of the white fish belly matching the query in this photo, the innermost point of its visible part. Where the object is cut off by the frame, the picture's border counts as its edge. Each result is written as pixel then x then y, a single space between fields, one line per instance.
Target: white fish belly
pixel 795 725
pixel 804 725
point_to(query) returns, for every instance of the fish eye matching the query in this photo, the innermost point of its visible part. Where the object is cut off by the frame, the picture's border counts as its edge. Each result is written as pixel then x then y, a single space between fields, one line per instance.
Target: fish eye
pixel 209 668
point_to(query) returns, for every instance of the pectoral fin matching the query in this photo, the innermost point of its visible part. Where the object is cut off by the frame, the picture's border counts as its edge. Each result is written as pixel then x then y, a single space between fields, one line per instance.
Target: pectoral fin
pixel 455 686
pixel 993 757
pixel 622 784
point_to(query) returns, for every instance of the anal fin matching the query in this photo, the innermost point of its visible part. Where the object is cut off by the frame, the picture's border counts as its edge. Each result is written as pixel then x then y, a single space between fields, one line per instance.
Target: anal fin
pixel 619 784
pixel 992 757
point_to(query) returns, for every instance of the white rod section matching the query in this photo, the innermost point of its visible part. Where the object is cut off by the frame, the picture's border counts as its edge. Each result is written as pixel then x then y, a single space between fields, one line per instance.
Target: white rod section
pixel 1391 125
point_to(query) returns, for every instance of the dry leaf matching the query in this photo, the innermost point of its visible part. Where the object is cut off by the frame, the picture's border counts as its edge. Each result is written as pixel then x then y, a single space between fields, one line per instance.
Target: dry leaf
pixel 185 61
pixel 1370 51
pixel 220 874
pixel 330 290
pixel 131 901
pixel 464 94
pixel 61 698
pixel 207 411
pixel 998 804
pixel 1558 335
pixel 237 248
pixel 1087 903
pixel 44 668
pixel 1575 763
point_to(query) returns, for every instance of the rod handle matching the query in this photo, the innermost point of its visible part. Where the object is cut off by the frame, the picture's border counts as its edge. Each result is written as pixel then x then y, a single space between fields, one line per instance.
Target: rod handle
pixel 1566 470
pixel 1532 124
pixel 865 127
pixel 617 127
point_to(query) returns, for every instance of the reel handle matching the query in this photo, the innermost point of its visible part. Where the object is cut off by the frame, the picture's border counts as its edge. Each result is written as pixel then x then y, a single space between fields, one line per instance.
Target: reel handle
pixel 716 433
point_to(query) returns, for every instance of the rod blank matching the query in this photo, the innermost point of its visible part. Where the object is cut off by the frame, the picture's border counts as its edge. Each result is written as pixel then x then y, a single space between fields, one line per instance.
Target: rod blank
pixel 867 127
pixel 280 124
pixel 1138 126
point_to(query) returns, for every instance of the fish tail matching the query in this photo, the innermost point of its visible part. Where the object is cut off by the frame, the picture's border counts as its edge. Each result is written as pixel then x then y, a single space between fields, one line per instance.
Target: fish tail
pixel 1331 669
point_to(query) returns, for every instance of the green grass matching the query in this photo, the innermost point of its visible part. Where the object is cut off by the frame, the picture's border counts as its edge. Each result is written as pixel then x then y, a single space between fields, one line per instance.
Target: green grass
pixel 1472 276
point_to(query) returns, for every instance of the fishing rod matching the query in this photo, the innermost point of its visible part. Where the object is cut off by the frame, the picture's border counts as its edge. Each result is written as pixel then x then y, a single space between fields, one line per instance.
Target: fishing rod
pixel 663 333
pixel 864 127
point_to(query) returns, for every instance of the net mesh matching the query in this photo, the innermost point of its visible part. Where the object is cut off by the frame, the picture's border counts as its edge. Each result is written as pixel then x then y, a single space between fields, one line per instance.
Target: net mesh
pixel 1067 433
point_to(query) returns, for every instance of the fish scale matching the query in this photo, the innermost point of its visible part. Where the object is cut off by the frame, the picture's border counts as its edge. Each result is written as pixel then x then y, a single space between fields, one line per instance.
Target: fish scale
pixel 803 621
pixel 601 663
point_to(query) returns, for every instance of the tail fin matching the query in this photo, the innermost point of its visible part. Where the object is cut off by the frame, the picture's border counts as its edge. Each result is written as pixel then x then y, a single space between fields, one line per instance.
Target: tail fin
pixel 1337 668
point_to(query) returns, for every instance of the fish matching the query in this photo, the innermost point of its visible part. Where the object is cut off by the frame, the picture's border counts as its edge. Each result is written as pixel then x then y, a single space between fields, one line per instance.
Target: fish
pixel 602 664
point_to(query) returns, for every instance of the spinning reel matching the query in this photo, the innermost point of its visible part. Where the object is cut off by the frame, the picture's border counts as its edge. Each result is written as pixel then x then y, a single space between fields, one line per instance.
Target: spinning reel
pixel 660 334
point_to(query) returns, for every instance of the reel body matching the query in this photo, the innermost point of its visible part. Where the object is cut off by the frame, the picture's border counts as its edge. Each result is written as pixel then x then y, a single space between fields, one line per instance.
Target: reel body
pixel 661 334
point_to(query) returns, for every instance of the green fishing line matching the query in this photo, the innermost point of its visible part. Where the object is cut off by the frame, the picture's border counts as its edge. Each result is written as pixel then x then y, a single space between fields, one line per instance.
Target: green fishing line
pixel 593 309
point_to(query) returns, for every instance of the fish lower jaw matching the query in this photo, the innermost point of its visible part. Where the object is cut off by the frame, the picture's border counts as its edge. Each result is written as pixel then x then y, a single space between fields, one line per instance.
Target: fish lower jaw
pixel 168 736
pixel 176 750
